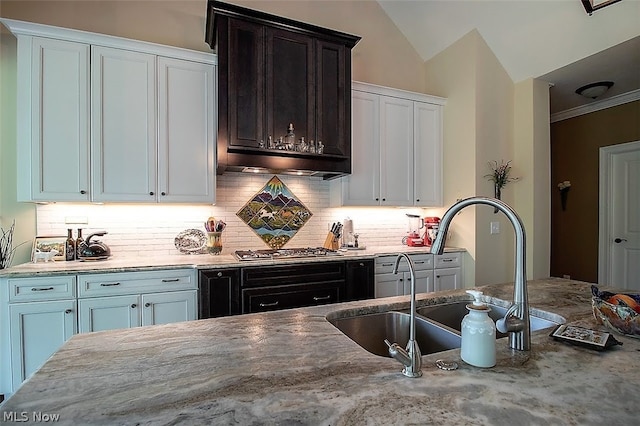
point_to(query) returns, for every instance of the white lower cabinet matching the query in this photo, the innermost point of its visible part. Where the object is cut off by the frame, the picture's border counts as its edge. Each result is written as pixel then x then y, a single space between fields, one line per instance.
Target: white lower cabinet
pixel 37 330
pixel 429 274
pixel 37 315
pixel 113 312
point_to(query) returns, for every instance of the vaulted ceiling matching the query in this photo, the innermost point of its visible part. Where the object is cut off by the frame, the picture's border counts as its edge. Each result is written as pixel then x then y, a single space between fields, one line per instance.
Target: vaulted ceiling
pixel 551 39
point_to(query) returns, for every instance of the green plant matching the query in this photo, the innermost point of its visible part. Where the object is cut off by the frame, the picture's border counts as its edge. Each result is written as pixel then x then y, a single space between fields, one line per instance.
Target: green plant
pixel 500 173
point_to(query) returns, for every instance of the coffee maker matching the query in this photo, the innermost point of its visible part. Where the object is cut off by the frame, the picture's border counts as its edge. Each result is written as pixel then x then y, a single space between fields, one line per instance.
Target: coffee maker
pixel 432 224
pixel 416 223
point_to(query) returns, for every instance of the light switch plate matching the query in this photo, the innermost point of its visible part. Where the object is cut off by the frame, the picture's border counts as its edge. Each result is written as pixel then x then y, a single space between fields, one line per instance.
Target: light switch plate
pixel 495 227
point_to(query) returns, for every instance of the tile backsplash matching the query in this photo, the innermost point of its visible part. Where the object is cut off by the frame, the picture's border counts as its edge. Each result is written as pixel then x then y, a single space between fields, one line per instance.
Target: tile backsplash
pixel 150 229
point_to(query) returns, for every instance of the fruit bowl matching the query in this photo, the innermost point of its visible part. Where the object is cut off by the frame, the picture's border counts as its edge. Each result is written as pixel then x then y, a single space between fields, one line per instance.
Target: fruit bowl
pixel 617 311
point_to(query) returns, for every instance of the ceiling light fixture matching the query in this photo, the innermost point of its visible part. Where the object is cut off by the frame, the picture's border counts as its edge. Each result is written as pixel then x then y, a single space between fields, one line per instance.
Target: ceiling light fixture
pixel 592 5
pixel 593 90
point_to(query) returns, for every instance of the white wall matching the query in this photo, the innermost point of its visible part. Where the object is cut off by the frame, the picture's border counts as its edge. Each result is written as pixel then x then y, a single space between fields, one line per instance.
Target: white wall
pixel 150 229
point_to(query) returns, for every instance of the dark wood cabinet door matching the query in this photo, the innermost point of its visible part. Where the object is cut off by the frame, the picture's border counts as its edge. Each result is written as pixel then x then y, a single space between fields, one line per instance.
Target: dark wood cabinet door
pixel 219 293
pixel 290 84
pixel 333 97
pixel 360 279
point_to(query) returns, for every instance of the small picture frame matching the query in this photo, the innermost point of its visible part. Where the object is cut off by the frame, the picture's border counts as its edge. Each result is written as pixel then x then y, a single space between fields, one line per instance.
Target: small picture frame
pixel 48 243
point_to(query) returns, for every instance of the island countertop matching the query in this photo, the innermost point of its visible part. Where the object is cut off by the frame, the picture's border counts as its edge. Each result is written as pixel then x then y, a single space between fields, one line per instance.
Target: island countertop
pixel 294 367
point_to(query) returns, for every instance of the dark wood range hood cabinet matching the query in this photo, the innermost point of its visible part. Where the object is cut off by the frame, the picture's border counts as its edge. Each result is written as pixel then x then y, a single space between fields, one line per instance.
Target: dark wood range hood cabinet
pixel 272 72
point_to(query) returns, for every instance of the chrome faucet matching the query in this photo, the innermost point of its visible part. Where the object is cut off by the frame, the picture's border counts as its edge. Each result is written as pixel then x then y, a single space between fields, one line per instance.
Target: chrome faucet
pixel 516 320
pixel 410 357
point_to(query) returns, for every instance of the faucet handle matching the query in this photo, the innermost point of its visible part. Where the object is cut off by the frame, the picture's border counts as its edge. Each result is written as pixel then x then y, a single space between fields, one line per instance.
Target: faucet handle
pixel 396 351
pixel 510 322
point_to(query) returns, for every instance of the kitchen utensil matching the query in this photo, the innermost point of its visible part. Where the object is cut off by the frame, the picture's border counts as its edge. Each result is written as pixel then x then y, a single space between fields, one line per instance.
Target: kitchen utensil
pixel 432 224
pixel 93 250
pixel 415 224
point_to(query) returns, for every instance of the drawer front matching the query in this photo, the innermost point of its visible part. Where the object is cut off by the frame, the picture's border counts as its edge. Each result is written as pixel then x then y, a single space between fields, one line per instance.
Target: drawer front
pixel 421 262
pixel 276 298
pixel 263 276
pixel 448 260
pixel 42 288
pixel 135 282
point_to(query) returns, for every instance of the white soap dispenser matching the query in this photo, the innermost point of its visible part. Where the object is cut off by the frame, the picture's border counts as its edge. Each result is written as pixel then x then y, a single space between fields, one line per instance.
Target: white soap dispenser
pixel 478 346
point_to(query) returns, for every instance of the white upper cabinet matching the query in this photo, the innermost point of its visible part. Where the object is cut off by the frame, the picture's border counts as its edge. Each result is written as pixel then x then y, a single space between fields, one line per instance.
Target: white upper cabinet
pixel 186 135
pixel 123 125
pixel 397 150
pixel 108 119
pixel 53 107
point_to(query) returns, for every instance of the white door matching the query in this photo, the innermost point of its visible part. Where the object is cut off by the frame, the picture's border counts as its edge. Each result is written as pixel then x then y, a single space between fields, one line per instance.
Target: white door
pixel 37 330
pixel 186 128
pixel 427 154
pixel 396 151
pixel 59 121
pixel 123 119
pixel 108 313
pixel 362 186
pixel 447 279
pixel 388 285
pixel 166 308
pixel 424 282
pixel 622 201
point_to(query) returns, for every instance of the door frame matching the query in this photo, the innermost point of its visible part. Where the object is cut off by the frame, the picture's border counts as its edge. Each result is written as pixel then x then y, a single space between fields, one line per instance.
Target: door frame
pixel 605 205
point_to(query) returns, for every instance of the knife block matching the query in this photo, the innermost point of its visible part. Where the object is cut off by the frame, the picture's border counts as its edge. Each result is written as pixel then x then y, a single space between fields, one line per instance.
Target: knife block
pixel 331 242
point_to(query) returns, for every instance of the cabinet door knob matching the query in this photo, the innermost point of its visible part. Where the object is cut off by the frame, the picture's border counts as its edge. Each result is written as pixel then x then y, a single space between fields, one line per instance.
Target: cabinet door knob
pixel 163 193
pixel 133 306
pixel 68 311
pixel 219 274
pixel 377 199
pixel 151 193
pixel 82 191
pixel 146 305
pixel 384 199
pixel 418 200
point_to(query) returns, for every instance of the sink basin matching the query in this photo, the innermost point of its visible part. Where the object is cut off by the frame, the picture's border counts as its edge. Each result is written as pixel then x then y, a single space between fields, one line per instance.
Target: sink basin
pixel 451 314
pixel 369 331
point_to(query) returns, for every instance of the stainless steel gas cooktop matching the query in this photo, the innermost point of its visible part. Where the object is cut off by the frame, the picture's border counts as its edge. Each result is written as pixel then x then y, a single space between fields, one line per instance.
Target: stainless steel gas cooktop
pixel 286 253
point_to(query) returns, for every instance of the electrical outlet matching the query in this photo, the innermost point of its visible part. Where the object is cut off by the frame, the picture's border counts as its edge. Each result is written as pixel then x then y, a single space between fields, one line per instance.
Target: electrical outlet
pixel 495 227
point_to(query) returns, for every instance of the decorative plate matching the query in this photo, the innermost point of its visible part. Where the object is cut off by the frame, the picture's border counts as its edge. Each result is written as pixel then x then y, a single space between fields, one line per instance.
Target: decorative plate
pixel 191 241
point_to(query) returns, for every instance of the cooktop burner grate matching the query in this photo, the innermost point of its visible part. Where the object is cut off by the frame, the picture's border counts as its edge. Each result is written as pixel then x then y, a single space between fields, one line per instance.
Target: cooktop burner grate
pixel 285 253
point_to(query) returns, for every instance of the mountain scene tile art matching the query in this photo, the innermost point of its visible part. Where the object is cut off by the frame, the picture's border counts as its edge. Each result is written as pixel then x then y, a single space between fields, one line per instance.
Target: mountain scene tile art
pixel 275 214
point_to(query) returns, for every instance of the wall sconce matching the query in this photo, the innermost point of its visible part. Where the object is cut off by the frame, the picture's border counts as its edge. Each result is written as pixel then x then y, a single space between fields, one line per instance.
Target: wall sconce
pixel 593 90
pixel 592 5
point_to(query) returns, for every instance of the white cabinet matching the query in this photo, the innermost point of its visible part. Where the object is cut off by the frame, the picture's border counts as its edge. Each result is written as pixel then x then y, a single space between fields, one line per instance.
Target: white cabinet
pixel 133 91
pixel 112 119
pixel 53 130
pixel 123 125
pixel 447 274
pixel 433 273
pixel 37 315
pixel 186 134
pixel 397 150
pixel 40 316
pixel 389 284
pixel 125 300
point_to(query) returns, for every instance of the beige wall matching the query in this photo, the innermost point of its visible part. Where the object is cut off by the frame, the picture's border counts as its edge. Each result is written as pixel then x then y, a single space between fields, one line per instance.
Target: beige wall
pixel 10 210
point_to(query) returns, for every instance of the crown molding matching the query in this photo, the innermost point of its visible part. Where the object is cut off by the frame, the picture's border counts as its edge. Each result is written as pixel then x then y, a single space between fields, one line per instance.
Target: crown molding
pixel 613 101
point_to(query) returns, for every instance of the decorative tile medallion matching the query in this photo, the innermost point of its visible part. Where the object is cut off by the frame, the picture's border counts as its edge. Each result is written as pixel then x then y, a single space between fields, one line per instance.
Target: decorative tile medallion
pixel 275 214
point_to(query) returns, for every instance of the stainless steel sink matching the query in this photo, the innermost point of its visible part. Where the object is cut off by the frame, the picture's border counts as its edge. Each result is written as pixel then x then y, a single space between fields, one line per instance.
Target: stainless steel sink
pixel 370 331
pixel 451 315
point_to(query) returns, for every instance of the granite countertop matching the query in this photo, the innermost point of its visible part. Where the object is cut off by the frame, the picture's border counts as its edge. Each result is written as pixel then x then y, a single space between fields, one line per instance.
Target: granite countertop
pixel 180 261
pixel 294 367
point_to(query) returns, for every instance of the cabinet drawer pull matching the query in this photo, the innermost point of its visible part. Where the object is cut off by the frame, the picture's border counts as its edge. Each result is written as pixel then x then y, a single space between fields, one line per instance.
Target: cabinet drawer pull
pixel 447 260
pixel 318 298
pixel 68 311
pixel 387 264
pixel 266 305
pixel 42 289
pixel 109 284
pixel 172 280
pixel 418 262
